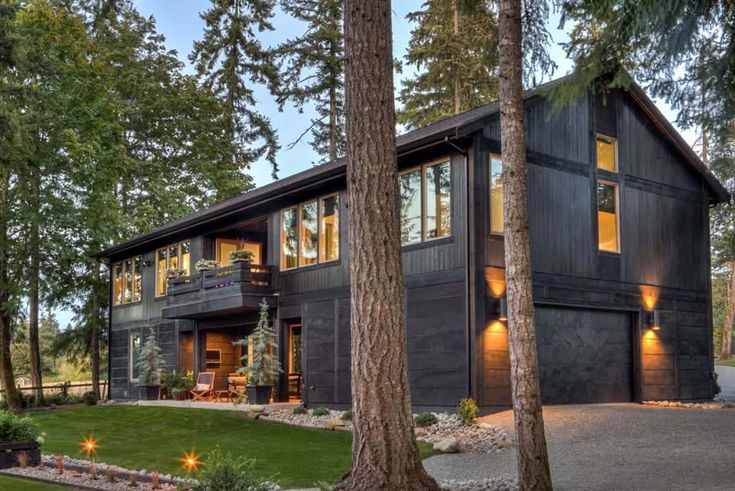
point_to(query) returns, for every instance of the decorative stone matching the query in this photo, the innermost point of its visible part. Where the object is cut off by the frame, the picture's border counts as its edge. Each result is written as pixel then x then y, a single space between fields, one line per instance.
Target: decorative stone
pixel 419 431
pixel 448 445
pixel 333 423
pixel 252 415
pixel 256 408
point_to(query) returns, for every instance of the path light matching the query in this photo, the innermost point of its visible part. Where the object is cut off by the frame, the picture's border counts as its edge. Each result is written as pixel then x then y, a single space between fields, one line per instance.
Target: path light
pixel 89 445
pixel 191 461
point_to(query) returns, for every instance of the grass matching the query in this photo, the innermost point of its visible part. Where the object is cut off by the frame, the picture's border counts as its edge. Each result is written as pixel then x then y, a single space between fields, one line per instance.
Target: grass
pixel 155 438
pixel 726 363
pixel 27 485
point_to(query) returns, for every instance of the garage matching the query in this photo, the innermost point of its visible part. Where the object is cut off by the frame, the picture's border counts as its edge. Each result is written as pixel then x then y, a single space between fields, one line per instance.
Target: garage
pixel 585 356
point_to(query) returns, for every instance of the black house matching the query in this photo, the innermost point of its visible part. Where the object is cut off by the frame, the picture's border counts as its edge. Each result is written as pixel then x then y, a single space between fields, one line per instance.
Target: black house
pixel 619 210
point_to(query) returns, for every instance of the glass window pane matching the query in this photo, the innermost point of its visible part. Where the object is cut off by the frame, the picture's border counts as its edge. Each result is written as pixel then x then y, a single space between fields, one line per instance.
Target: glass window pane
pixel 186 257
pixel 329 245
pixel 607 222
pixel 161 272
pixel 438 201
pixel 409 188
pixel 606 158
pixel 135 346
pixel 309 234
pixel 173 256
pixel 128 281
pixel 496 195
pixel 117 281
pixel 289 239
pixel 137 278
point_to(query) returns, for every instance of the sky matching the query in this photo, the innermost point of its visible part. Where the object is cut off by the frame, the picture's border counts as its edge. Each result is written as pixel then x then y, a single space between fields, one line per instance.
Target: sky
pixel 179 21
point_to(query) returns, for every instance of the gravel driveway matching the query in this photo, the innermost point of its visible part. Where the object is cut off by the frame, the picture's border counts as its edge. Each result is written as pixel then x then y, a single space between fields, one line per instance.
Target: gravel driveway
pixel 618 446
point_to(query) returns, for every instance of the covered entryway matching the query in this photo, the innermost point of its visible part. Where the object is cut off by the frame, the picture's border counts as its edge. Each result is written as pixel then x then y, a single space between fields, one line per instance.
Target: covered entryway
pixel 584 356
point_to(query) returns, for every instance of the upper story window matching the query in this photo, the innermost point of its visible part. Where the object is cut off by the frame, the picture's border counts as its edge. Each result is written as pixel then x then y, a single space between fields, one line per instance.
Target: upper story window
pixel 426 202
pixel 127 281
pixel 607 153
pixel 607 217
pixel 496 195
pixel 173 256
pixel 310 233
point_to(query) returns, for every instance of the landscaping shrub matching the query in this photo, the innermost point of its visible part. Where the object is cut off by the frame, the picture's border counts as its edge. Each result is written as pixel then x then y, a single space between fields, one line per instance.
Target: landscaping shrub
pixel 299 410
pixel 467 410
pixel 14 429
pixel 425 419
pixel 90 398
pixel 55 398
pixel 347 415
pixel 320 411
pixel 223 471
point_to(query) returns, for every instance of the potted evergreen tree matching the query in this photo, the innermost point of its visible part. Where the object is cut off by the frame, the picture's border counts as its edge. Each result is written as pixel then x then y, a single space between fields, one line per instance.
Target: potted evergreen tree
pixel 262 367
pixel 241 256
pixel 149 367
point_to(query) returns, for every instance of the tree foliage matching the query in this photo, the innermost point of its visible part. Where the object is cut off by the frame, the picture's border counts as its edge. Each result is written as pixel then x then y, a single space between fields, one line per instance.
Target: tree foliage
pixel 262 366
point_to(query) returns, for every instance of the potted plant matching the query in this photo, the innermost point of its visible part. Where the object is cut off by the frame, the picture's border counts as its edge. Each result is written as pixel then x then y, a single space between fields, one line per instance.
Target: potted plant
pixel 205 265
pixel 20 440
pixel 241 256
pixel 149 366
pixel 262 367
pixel 172 273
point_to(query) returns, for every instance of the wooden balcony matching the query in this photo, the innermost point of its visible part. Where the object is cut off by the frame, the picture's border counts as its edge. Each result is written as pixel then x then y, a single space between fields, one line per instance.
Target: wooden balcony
pixel 224 291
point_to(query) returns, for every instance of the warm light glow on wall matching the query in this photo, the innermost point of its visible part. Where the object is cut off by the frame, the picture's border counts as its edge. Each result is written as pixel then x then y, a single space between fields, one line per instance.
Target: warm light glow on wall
pixel 495 279
pixel 495 326
pixel 650 296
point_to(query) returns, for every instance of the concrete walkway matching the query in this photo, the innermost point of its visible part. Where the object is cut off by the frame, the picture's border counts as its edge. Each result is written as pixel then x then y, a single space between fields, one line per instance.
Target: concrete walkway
pixel 617 446
pixel 726 379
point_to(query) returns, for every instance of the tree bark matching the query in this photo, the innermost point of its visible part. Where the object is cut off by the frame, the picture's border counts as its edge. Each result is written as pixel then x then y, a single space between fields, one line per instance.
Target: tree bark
pixel 384 452
pixel 457 85
pixel 333 136
pixel 533 461
pixel 726 351
pixel 95 341
pixel 33 293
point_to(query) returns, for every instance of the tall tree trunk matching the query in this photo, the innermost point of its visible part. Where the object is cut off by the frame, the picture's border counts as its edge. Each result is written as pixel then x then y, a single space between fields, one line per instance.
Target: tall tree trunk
pixel 384 453
pixel 333 93
pixel 33 294
pixel 726 351
pixel 533 461
pixel 95 341
pixel 457 84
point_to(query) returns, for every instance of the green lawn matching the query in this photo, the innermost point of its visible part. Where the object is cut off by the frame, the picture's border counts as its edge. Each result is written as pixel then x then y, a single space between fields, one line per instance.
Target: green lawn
pixel 28 485
pixel 727 363
pixel 154 438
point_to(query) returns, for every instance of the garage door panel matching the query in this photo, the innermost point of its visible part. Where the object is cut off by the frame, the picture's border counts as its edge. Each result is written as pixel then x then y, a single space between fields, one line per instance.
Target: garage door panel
pixel 584 355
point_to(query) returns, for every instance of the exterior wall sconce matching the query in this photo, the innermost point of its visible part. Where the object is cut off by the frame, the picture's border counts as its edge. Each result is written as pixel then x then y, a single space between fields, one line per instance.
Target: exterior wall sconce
pixel 503 309
pixel 653 320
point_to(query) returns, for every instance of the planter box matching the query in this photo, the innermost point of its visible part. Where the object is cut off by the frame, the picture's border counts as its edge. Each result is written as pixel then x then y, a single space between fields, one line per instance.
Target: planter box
pixel 259 394
pixel 180 395
pixel 149 392
pixel 9 454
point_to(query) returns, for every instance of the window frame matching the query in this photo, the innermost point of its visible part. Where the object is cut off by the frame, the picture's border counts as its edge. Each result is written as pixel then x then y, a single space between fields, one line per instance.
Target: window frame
pixel 131 363
pixel 123 282
pixel 424 198
pixel 490 158
pixel 298 207
pixel 614 141
pixel 179 256
pixel 618 242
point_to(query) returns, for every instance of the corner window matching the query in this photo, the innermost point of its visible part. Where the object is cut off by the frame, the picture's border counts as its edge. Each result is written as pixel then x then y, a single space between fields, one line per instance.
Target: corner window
pixel 310 233
pixel 496 195
pixel 133 356
pixel 173 256
pixel 127 282
pixel 426 202
pixel 607 153
pixel 607 217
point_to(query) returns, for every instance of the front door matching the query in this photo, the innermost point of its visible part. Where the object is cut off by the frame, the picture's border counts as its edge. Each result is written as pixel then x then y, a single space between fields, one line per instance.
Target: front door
pixel 295 349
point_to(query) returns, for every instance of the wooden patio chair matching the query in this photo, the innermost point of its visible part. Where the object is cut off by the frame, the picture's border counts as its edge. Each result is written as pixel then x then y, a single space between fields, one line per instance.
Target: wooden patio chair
pixel 204 386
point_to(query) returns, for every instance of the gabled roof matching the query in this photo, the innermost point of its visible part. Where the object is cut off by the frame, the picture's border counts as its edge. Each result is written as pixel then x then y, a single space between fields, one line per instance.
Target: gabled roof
pixel 449 127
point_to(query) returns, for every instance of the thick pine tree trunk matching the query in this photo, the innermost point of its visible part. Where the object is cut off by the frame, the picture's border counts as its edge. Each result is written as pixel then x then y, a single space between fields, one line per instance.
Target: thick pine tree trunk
pixel 333 93
pixel 33 297
pixel 457 85
pixel 726 351
pixel 533 461
pixel 384 452
pixel 95 341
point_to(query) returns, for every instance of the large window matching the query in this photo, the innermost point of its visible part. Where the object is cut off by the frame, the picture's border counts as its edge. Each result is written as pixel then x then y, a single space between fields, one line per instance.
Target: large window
pixel 496 195
pixel 134 356
pixel 127 284
pixel 607 217
pixel 310 233
pixel 607 153
pixel 426 202
pixel 227 246
pixel 173 256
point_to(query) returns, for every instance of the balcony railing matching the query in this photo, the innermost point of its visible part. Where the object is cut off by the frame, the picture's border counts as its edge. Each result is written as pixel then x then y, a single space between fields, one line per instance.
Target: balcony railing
pixel 251 278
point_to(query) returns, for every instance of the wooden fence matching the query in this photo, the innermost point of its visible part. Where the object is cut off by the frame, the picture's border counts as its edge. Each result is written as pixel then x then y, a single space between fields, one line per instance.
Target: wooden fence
pixel 65 388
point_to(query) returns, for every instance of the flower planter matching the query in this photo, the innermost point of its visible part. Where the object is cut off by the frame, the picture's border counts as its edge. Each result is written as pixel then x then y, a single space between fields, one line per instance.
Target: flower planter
pixel 180 395
pixel 259 394
pixel 239 260
pixel 9 453
pixel 149 392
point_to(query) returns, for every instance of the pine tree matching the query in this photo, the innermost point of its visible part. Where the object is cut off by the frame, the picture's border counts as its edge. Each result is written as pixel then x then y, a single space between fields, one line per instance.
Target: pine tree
pixel 150 361
pixel 231 60
pixel 454 48
pixel 262 366
pixel 313 72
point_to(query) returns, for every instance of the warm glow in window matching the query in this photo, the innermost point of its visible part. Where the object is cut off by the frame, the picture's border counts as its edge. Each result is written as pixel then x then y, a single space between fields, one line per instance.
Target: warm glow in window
pixel 607 217
pixel 329 229
pixel 607 154
pixel 127 284
pixel 496 195
pixel 117 284
pixel 289 238
pixel 174 256
pixel 226 246
pixel 309 234
pixel 137 278
pixel 161 272
pixel 437 183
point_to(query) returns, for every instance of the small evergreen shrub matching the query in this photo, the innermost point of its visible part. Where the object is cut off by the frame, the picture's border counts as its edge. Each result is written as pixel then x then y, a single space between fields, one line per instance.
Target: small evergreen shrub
pixel 228 472
pixel 90 398
pixel 299 410
pixel 425 419
pixel 16 429
pixel 320 411
pixel 467 410
pixel 347 415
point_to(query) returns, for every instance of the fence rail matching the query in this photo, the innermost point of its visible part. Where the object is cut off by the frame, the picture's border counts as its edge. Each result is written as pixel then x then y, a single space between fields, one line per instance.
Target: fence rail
pixel 65 388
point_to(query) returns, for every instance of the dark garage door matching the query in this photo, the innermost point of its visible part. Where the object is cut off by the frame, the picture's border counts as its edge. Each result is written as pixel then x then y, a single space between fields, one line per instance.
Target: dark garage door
pixel 584 355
